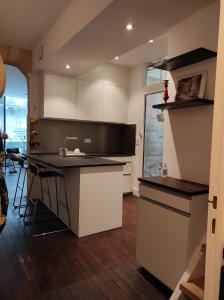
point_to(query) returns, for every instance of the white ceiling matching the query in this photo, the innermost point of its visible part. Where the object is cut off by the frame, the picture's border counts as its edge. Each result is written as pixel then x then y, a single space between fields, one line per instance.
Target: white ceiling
pixel 25 22
pixel 146 53
pixel 105 37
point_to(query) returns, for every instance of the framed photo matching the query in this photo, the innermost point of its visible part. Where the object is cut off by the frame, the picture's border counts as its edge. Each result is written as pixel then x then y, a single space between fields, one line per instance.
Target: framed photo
pixel 191 86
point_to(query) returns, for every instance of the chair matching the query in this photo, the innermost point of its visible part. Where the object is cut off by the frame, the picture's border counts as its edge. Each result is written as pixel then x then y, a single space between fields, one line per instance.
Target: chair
pixel 39 173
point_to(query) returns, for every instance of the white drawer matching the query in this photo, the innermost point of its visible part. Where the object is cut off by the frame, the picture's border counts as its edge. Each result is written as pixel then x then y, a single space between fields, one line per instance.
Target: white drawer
pixel 119 158
pixel 127 184
pixel 166 198
pixel 127 168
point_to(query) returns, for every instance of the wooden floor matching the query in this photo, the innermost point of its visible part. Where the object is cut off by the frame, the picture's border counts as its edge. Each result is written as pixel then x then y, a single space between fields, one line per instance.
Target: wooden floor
pixel 60 266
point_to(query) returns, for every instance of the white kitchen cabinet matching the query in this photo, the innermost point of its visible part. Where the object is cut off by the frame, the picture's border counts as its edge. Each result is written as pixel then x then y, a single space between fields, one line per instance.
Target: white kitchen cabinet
pixel 127 169
pixel 89 101
pixel 171 225
pixel 114 104
pixel 59 97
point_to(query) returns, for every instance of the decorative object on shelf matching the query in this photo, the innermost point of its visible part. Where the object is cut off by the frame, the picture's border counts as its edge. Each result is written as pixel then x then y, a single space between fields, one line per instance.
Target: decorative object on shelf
pixel 35 132
pixel 34 120
pixel 2 77
pixel 34 144
pixel 191 86
pixel 166 95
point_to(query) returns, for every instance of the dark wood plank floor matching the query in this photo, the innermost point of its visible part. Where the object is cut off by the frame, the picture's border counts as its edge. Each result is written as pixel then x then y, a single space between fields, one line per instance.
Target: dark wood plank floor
pixel 60 266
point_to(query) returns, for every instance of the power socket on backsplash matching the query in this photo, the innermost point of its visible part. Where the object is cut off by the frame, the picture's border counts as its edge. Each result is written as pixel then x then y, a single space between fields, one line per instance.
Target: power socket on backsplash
pixel 87 140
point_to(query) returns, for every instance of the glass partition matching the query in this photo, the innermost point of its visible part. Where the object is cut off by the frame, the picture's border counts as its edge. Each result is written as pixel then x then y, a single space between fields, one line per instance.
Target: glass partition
pixel 153 136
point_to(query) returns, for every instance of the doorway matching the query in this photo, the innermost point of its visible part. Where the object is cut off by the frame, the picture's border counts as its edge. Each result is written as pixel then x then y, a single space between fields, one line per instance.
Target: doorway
pixel 153 136
pixel 13 120
pixel 14 109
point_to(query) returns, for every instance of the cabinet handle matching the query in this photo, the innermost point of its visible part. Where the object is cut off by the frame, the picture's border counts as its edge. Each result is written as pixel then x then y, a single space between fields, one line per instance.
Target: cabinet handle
pixel 214 202
pixel 213 225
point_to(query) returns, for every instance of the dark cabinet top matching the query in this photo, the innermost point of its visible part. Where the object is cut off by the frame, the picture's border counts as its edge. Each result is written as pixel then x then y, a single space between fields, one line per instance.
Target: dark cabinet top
pixel 176 185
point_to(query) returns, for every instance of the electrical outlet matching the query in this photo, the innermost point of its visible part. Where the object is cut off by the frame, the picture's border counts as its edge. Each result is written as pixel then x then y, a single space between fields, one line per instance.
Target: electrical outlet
pixel 87 141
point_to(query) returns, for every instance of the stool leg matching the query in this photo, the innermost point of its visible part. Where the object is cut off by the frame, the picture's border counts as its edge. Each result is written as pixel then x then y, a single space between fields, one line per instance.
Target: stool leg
pixel 41 190
pixel 14 200
pixel 27 203
pixel 34 215
pixel 66 200
pixel 49 195
pixel 21 195
pixel 56 189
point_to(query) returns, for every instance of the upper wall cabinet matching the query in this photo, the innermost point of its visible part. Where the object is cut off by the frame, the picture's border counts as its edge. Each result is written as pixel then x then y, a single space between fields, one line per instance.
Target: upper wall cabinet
pixel 114 104
pixel 59 97
pixel 89 101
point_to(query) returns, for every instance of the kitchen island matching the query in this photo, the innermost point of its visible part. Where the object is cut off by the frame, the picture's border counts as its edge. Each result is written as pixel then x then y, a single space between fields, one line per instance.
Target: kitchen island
pixel 94 190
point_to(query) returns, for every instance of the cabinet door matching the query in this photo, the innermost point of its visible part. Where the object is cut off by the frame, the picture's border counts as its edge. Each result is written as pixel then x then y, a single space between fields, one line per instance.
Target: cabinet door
pixel 114 104
pixel 89 101
pixel 162 241
pixel 59 96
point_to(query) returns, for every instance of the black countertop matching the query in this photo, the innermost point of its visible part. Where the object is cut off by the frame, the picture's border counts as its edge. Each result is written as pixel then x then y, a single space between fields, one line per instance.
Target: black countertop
pixel 59 162
pixel 89 153
pixel 176 185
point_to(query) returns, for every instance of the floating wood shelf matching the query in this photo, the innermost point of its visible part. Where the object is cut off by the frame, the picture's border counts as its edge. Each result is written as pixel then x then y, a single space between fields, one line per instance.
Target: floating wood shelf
pixel 188 58
pixel 184 104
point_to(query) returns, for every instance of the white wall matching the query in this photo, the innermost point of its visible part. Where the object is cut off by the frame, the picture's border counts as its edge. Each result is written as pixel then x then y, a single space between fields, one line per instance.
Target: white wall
pixel 187 136
pixel 108 74
pixel 191 127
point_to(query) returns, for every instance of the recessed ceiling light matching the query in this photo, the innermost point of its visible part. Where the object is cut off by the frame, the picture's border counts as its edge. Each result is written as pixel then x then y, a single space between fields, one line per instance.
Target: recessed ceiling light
pixel 67 66
pixel 129 27
pixel 150 41
pixel 116 57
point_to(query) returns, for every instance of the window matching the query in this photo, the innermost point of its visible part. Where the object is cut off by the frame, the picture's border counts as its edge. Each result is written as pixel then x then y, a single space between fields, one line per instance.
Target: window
pixel 154 75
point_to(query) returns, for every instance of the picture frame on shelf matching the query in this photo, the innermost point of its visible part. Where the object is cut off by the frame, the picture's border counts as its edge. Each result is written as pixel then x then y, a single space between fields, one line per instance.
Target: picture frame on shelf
pixel 191 86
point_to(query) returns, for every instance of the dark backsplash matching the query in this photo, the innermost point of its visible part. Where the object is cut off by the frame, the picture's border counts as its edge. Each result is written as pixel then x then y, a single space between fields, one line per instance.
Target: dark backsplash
pixel 106 138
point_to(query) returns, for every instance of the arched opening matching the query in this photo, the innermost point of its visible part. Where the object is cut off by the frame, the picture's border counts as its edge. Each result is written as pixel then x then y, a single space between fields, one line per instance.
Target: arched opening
pixel 14 108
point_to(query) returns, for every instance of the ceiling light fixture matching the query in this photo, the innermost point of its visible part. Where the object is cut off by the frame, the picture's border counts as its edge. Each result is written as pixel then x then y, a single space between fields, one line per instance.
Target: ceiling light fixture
pixel 129 26
pixel 116 57
pixel 67 66
pixel 150 41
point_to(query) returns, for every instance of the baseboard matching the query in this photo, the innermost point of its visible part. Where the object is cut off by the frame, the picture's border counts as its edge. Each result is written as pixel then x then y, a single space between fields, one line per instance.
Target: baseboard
pixel 136 191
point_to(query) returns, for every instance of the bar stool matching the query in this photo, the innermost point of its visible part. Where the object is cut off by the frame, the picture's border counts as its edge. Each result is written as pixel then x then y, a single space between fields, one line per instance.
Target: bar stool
pixel 38 172
pixel 22 166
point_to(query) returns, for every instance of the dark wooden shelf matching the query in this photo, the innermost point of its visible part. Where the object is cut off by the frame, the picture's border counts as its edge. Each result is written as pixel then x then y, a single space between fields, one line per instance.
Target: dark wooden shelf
pixel 188 58
pixel 184 104
pixel 176 185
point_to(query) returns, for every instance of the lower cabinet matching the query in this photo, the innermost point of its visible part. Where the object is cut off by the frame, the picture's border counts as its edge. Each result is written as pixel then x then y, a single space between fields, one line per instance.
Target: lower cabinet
pixel 170 228
pixel 127 188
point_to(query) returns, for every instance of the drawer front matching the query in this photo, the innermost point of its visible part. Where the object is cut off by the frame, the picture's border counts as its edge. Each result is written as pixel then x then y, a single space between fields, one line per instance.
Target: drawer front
pixel 119 158
pixel 127 168
pixel 166 198
pixel 162 242
pixel 127 184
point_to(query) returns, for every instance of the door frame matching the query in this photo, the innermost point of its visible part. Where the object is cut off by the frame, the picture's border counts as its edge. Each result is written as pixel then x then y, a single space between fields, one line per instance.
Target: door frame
pixel 215 239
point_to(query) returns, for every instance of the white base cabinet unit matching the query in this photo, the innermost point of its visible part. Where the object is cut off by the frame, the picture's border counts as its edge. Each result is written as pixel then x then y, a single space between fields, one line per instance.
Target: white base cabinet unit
pixel 94 192
pixel 126 179
pixel 172 216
